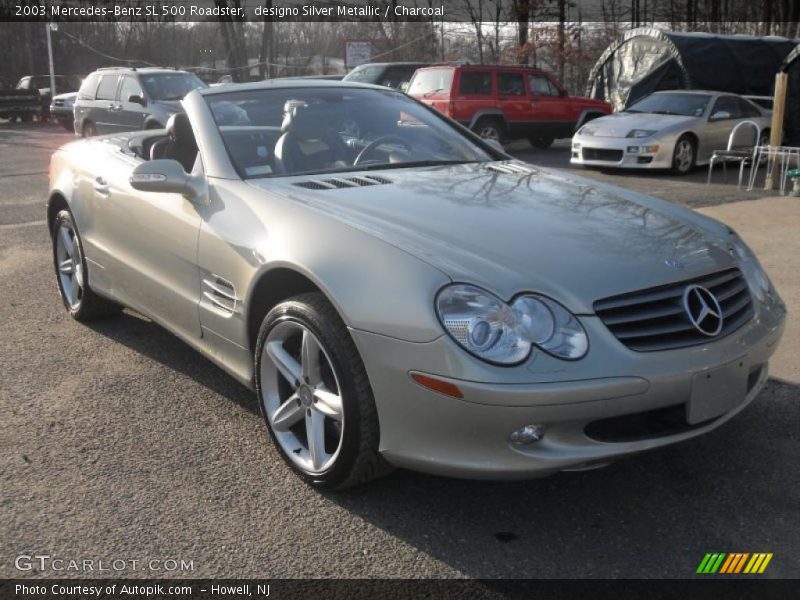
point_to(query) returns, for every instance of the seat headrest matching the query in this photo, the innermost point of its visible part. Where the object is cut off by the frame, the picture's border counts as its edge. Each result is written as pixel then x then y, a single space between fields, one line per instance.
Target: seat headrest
pixel 180 130
pixel 302 120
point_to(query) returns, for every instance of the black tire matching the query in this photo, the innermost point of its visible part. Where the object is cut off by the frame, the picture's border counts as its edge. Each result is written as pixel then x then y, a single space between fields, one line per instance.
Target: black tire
pixel 490 128
pixel 358 460
pixel 680 165
pixel 88 130
pixel 68 125
pixel 153 125
pixel 541 142
pixel 91 306
pixel 26 117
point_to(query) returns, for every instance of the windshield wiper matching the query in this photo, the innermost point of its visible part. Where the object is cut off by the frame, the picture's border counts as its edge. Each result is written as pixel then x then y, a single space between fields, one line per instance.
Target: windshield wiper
pixel 432 92
pixel 417 163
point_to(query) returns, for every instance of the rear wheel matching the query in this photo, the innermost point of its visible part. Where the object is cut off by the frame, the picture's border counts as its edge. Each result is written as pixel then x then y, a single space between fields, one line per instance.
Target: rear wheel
pixel 315 396
pixel 71 274
pixel 68 125
pixel 490 128
pixel 684 156
pixel 541 141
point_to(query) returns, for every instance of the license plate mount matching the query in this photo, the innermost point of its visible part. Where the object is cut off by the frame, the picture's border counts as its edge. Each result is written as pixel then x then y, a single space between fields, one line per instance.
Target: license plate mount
pixel 717 391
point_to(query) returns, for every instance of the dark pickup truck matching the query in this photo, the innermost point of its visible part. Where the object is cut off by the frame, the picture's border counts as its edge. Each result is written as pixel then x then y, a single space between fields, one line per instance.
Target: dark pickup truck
pixel 31 96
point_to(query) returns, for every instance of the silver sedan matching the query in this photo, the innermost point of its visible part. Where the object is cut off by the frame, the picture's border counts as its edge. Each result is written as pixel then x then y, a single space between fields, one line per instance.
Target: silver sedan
pixel 674 130
pixel 399 293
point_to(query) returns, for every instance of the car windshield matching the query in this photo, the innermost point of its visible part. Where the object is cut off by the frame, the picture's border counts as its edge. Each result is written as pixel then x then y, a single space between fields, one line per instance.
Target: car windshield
pixel 687 105
pixel 170 86
pixel 312 130
pixel 364 74
pixel 430 81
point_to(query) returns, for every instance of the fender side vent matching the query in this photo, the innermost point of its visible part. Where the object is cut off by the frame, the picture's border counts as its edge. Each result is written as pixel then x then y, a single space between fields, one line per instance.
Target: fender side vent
pixel 219 295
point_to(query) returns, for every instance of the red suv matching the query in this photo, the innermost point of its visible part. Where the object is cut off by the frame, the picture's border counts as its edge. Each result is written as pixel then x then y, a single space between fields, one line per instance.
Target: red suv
pixel 504 103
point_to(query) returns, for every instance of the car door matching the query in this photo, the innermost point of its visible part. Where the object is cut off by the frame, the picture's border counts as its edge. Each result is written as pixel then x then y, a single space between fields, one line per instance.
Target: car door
pixel 512 98
pixel 722 118
pixel 150 246
pixel 104 107
pixel 130 115
pixel 474 96
pixel 550 115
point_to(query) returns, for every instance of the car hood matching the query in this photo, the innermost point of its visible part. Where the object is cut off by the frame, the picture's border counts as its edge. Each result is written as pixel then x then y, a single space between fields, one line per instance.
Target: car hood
pixel 511 228
pixel 619 124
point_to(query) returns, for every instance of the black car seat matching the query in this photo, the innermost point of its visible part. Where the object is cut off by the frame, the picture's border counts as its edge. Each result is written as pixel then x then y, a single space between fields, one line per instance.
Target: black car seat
pixel 301 125
pixel 180 144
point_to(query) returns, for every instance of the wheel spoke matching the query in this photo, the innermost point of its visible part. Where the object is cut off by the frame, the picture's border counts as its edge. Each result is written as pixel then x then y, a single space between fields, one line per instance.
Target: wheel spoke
pixel 66 266
pixel 288 413
pixel 329 404
pixel 73 293
pixel 315 432
pixel 287 366
pixel 66 240
pixel 309 355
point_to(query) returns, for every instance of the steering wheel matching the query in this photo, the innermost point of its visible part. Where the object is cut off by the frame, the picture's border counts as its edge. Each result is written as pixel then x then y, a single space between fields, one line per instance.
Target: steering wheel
pixel 379 142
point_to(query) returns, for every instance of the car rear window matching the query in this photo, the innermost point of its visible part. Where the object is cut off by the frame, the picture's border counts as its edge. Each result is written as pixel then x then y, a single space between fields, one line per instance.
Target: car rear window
pixel 476 83
pixel 429 81
pixel 89 86
pixel 108 87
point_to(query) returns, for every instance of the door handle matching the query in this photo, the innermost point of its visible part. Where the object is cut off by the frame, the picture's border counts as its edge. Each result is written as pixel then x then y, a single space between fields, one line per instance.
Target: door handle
pixel 101 186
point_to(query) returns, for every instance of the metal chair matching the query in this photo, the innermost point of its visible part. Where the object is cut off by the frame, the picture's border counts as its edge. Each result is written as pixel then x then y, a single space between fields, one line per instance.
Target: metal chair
pixel 741 153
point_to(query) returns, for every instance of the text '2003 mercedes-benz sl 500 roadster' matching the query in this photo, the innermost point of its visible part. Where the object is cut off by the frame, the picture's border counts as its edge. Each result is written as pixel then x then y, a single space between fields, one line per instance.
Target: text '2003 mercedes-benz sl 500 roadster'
pixel 400 293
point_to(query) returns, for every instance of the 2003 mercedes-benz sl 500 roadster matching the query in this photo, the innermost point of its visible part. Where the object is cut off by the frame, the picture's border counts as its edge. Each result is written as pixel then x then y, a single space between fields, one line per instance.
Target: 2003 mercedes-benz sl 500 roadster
pixel 399 292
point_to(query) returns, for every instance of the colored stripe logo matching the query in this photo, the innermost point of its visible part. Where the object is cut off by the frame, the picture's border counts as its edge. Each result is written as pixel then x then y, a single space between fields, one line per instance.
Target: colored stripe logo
pixel 734 563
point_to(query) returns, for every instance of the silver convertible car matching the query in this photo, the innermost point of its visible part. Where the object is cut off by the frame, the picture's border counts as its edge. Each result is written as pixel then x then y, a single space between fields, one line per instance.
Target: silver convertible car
pixel 674 130
pixel 398 292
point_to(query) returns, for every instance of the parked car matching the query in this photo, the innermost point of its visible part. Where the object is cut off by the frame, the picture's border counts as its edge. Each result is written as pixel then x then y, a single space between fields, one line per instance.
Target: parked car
pixel 41 84
pixel 674 130
pixel 22 104
pixel 61 109
pixel 395 75
pixel 505 103
pixel 119 99
pixel 397 292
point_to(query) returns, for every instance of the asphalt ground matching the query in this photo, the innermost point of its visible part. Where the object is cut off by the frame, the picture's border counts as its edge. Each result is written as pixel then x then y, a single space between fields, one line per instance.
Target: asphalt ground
pixel 117 441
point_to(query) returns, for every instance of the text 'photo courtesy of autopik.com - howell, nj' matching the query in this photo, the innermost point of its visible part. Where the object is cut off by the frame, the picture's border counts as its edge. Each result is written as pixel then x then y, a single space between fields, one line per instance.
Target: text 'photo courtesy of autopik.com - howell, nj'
pixel 393 298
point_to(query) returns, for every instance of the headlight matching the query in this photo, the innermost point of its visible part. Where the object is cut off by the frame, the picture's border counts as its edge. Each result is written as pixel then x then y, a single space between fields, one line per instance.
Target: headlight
pixel 586 130
pixel 504 334
pixel 641 133
pixel 754 273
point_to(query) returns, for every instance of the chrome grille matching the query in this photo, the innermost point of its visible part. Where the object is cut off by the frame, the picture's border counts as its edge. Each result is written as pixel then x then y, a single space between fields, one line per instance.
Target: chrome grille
pixel 654 319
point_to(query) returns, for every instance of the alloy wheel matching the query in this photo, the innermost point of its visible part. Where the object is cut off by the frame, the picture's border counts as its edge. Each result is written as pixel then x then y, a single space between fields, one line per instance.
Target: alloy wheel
pixel 684 156
pixel 70 265
pixel 490 132
pixel 302 397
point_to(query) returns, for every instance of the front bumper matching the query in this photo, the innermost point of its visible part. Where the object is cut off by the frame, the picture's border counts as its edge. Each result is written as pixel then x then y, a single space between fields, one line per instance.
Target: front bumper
pixel 427 431
pixel 61 113
pixel 617 152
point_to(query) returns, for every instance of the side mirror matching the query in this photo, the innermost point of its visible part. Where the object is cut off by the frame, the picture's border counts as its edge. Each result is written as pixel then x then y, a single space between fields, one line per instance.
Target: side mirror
pixel 136 99
pixel 404 86
pixel 720 115
pixel 168 177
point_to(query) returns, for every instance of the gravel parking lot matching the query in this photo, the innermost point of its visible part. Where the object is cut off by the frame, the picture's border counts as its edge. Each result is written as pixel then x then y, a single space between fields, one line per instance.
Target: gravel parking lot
pixel 117 441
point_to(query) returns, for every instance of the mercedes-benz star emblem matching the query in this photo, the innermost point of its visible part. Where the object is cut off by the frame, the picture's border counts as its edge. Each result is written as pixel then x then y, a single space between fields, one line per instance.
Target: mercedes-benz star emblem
pixel 703 310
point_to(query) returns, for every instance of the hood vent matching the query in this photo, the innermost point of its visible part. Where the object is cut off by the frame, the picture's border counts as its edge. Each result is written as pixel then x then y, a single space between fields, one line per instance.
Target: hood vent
pixel 343 182
pixel 511 168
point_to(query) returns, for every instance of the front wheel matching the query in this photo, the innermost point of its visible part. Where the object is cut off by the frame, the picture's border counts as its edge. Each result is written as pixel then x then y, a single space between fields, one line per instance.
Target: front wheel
pixel 490 129
pixel 683 157
pixel 68 125
pixel 71 273
pixel 315 396
pixel 89 130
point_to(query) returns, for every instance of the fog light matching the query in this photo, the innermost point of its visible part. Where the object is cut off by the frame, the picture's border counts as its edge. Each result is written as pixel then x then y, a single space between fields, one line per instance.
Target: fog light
pixel 651 149
pixel 633 149
pixel 527 435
